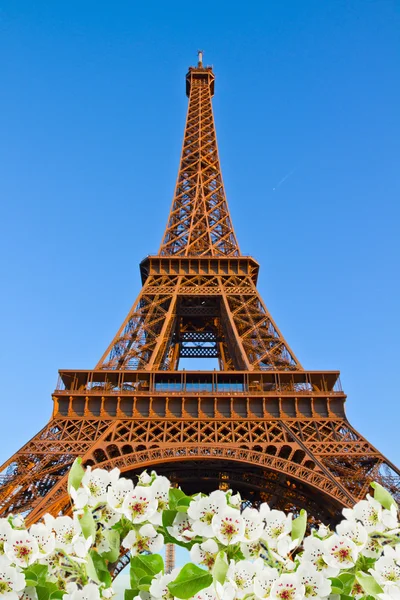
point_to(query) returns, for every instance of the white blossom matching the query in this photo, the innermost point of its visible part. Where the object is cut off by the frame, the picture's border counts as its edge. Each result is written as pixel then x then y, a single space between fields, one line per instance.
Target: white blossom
pixel 65 530
pixel 54 563
pixel 241 575
pixel 158 587
pixel 277 524
pixel 355 531
pixel 315 584
pixel 372 515
pixel 372 549
pixel 29 593
pixel 253 524
pixel 228 526
pixel 253 549
pixel 386 570
pixel 5 530
pixel 44 537
pixel 205 553
pixel 146 539
pixel 88 592
pixel 264 509
pixel 160 488
pixel 277 529
pixel 314 552
pixel 81 545
pixel 106 515
pixel 209 593
pixel 232 499
pixel 11 581
pixel 181 528
pixel 117 492
pixel 217 592
pixel 202 510
pixel 80 497
pixel 144 478
pixel 389 517
pixel 323 531
pixel 340 552
pixel 96 483
pixel 263 581
pixel 287 587
pixel 18 521
pixel 390 593
pixel 393 552
pixel 21 548
pixel 139 505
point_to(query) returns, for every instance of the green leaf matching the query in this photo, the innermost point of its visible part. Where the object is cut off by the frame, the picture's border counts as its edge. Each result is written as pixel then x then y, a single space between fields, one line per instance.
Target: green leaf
pixel 383 496
pixel 130 594
pixel 42 593
pixel 124 526
pixel 91 569
pixel 234 552
pixel 168 517
pixel 183 504
pixel 369 584
pixel 347 580
pixel 100 567
pixel 87 523
pixel 178 501
pixel 151 564
pixel 35 575
pixel 143 569
pixel 337 585
pixel 145 566
pixel 145 583
pixel 112 536
pixel 174 495
pixel 135 577
pixel 190 580
pixel 220 568
pixel 75 474
pixel 299 526
pixel 49 591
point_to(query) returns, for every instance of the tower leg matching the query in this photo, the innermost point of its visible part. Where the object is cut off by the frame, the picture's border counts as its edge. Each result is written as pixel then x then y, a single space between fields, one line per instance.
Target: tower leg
pixel 169 558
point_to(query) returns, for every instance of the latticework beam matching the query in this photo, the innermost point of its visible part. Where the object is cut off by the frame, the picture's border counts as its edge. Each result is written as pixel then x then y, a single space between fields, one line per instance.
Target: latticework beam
pixel 199 223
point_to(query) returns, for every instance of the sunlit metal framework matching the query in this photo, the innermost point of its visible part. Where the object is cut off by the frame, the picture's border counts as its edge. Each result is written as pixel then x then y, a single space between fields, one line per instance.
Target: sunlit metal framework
pixel 260 424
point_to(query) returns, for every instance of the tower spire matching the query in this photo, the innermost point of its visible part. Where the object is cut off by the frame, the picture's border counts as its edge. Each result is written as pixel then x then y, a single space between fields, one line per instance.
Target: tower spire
pixel 199 223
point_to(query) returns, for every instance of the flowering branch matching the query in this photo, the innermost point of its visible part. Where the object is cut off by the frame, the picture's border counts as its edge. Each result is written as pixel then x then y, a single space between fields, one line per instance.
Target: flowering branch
pixel 249 554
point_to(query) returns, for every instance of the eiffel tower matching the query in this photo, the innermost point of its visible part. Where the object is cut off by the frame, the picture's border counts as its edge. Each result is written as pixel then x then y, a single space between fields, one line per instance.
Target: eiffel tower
pixel 260 424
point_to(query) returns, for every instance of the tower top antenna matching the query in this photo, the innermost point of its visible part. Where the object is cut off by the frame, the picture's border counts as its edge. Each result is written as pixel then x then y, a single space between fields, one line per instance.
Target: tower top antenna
pixel 200 55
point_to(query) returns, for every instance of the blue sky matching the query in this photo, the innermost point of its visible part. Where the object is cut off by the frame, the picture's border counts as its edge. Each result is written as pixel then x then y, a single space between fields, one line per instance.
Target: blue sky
pixel 92 105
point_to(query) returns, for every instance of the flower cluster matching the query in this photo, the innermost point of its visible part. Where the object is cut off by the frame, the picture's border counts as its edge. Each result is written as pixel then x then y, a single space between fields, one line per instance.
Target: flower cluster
pixel 236 552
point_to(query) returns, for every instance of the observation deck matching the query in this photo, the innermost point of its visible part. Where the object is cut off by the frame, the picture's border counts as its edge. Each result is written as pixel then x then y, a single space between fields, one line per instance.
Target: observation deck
pixel 194 394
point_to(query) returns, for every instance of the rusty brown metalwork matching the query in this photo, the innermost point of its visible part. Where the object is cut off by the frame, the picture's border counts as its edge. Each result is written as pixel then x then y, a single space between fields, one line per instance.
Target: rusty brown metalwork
pixel 169 557
pixel 261 424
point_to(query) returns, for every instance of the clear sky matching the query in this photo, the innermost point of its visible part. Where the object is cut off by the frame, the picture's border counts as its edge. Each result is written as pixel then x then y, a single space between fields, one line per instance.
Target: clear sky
pixel 92 110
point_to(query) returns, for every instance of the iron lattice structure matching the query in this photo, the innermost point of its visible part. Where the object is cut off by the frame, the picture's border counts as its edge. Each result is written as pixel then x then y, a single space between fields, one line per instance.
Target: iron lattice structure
pixel 261 424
